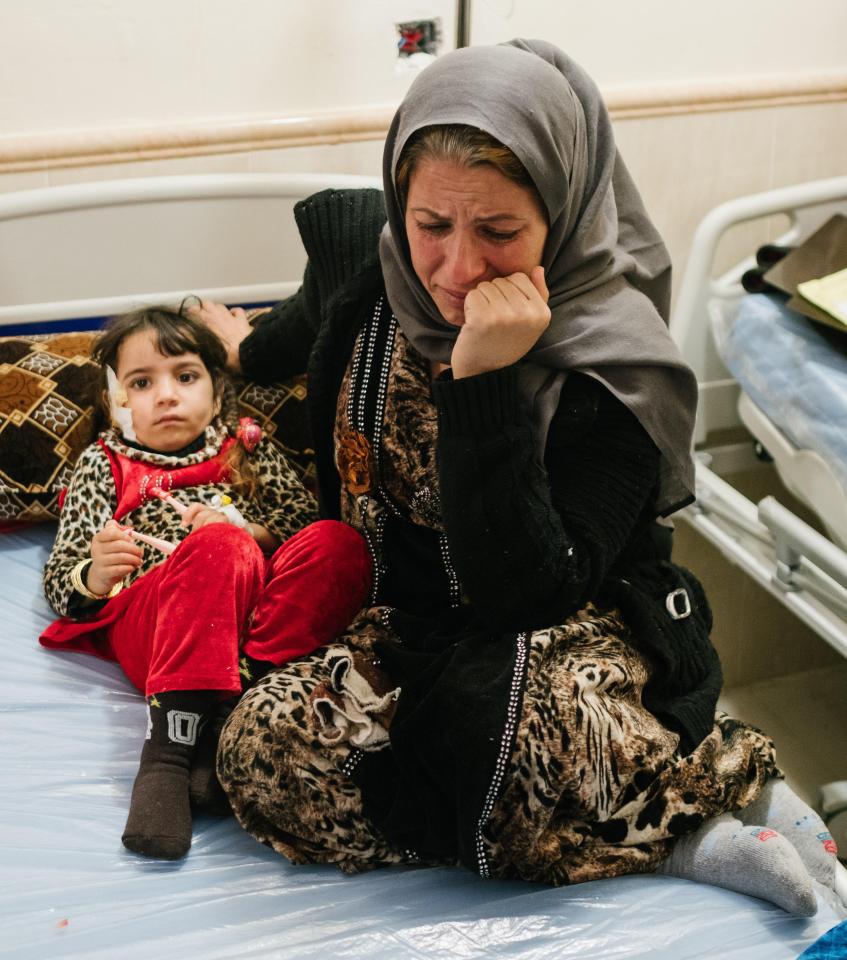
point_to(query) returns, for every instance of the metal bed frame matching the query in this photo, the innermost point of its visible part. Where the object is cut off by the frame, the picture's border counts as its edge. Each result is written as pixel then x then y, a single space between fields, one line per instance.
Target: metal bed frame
pixel 803 569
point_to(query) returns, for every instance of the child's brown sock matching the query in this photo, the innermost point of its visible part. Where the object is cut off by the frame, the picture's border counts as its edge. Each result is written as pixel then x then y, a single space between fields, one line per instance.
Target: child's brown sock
pixel 159 821
pixel 207 794
pixel 252 670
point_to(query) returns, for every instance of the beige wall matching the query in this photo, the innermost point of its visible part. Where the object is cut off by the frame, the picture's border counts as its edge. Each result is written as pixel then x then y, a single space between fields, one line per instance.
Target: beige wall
pixel 702 112
pixel 619 41
pixel 687 164
pixel 75 64
pixel 94 64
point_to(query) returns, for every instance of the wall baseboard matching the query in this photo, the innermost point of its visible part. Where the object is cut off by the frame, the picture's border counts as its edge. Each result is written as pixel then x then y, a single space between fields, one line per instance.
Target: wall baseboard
pixel 20 153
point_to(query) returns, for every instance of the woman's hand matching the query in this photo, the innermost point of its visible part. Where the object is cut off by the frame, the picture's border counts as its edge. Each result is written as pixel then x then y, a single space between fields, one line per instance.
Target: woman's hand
pixel 504 318
pixel 113 556
pixel 199 515
pixel 232 326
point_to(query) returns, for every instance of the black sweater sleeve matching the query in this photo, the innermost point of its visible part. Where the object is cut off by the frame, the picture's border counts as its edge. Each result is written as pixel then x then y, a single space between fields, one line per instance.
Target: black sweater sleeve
pixel 532 543
pixel 340 231
pixel 280 343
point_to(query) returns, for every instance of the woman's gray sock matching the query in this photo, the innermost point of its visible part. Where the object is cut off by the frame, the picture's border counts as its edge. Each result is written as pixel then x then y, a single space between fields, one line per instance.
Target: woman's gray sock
pixel 748 859
pixel 781 809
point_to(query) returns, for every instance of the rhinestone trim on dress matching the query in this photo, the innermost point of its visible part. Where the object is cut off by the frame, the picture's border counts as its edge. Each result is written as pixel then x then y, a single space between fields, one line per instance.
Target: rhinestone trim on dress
pixel 505 750
pixel 354 758
pixel 369 380
pixel 455 588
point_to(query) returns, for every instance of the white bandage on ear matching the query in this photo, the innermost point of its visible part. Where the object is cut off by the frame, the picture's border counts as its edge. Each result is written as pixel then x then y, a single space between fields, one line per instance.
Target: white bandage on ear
pixel 120 412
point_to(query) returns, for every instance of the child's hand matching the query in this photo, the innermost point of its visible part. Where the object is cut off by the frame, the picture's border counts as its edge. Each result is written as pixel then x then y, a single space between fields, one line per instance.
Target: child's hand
pixel 199 515
pixel 113 556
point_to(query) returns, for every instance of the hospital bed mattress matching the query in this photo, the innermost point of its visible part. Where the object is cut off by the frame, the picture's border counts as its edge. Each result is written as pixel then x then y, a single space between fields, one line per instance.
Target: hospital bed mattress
pixel 795 372
pixel 71 731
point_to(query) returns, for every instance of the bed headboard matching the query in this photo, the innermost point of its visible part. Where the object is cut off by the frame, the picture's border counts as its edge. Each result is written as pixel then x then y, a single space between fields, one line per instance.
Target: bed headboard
pixel 806 205
pixel 79 253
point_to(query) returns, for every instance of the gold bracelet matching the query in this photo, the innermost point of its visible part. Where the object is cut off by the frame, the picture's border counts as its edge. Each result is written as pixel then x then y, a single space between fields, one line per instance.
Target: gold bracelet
pixel 79 584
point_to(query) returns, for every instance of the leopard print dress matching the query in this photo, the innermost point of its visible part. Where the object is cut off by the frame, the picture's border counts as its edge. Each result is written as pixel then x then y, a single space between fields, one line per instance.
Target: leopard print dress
pixel 585 782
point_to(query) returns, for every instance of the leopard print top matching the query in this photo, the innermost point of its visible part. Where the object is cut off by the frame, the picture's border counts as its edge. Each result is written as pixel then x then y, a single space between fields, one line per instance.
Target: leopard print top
pixel 281 504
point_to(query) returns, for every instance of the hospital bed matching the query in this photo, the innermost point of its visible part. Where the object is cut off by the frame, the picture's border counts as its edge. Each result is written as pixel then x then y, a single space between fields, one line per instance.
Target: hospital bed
pixel 798 564
pixel 782 379
pixel 72 726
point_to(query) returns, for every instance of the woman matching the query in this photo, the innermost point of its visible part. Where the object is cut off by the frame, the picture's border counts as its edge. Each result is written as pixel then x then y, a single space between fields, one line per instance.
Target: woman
pixel 497 405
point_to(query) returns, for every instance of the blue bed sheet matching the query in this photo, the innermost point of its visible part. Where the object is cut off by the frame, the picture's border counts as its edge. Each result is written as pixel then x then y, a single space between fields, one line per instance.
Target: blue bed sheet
pixel 72 728
pixel 795 371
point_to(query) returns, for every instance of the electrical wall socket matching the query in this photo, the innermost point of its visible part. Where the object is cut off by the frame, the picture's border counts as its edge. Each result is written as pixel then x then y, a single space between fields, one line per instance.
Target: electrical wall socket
pixel 418 36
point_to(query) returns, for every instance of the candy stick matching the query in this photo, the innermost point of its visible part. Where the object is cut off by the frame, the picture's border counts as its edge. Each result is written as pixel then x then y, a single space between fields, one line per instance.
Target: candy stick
pixel 167 498
pixel 164 545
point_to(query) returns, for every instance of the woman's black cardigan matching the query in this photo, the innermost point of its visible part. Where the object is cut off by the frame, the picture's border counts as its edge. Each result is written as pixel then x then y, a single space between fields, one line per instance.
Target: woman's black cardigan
pixel 531 544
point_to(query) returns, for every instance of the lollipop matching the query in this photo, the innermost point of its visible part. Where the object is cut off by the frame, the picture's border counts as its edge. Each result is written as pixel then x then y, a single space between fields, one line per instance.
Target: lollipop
pixel 165 497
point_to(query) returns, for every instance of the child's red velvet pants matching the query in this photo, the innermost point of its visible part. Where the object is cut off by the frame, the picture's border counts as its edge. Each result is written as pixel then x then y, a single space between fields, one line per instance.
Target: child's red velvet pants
pixel 183 624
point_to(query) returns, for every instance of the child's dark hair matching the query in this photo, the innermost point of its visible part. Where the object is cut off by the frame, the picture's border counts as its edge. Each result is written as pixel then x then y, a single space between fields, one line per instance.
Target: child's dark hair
pixel 175 333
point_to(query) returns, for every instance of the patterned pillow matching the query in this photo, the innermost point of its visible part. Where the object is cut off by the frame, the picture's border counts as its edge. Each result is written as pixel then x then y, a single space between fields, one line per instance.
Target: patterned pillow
pixel 280 409
pixel 47 387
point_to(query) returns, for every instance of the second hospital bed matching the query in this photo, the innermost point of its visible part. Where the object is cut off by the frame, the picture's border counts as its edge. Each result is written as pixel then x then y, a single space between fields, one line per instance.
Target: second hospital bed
pixel 783 378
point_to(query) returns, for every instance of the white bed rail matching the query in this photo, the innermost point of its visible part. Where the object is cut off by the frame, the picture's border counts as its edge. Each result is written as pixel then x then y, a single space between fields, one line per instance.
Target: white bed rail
pixel 111 193
pixel 230 237
pixel 793 562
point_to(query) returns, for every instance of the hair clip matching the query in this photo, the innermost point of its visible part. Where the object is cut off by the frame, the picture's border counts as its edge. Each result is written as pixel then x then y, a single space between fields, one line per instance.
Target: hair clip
pixel 249 433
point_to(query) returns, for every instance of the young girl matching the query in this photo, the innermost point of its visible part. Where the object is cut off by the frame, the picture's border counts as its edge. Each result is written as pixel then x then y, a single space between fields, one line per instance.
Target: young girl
pixel 193 595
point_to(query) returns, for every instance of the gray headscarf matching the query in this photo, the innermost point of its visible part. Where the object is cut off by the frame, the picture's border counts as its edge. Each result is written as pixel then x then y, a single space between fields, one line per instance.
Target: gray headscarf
pixel 606 267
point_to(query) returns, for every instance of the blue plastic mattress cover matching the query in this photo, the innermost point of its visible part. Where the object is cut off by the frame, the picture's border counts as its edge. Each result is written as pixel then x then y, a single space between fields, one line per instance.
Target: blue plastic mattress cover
pixel 793 372
pixel 72 728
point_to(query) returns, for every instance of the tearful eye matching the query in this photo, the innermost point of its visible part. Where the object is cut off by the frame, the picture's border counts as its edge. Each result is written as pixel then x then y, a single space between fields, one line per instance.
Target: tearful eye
pixel 500 236
pixel 434 227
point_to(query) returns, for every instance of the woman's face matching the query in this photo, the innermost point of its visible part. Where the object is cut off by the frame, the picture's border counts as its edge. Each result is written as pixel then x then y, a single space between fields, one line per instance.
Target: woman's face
pixel 466 225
